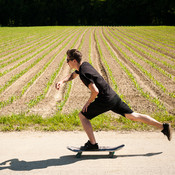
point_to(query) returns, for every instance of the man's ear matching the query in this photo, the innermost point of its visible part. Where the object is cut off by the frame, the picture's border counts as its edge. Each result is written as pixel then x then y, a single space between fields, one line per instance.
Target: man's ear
pixel 75 61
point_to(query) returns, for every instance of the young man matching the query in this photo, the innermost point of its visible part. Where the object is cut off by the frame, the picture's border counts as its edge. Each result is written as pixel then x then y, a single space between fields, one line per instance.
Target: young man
pixel 103 98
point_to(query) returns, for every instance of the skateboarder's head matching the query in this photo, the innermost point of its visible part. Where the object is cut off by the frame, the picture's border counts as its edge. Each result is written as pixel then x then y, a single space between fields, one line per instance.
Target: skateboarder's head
pixel 74 54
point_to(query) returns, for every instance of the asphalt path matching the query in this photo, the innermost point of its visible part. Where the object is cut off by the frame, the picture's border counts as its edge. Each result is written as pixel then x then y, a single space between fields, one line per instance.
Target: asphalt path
pixel 45 153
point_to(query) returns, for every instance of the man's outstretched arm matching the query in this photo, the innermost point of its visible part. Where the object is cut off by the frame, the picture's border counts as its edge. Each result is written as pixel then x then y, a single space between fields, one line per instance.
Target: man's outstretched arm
pixel 66 79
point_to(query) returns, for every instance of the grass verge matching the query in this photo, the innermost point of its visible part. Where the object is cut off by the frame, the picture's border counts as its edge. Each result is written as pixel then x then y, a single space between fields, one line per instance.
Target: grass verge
pixel 70 122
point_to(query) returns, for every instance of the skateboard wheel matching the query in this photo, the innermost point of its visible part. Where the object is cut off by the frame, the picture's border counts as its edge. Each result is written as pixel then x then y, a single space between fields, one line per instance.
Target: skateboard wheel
pixel 111 154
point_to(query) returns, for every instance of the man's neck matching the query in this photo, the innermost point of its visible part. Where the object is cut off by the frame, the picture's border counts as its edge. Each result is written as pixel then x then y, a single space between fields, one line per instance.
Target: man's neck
pixel 77 66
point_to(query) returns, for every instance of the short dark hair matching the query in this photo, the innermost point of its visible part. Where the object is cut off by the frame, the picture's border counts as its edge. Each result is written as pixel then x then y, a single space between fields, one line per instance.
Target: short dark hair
pixel 75 54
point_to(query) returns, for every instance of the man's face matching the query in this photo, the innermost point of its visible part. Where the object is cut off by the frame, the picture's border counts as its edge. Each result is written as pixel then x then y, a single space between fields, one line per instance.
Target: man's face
pixel 70 62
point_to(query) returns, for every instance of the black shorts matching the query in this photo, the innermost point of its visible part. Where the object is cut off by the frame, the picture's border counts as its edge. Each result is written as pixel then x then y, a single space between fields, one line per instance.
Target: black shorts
pixel 116 105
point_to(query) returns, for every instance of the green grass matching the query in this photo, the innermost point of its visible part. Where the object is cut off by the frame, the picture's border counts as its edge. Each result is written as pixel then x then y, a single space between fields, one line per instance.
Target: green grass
pixel 71 122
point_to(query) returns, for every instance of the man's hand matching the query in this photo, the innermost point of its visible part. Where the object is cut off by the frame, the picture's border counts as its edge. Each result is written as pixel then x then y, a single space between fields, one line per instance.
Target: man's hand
pixel 65 80
pixel 85 107
pixel 94 92
pixel 58 85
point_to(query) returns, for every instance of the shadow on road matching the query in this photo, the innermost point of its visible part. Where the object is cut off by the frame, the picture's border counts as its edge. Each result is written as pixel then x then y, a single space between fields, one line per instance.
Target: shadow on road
pixel 17 165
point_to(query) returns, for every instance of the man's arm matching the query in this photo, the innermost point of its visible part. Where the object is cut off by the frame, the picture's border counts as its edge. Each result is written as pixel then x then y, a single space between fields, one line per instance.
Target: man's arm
pixel 94 92
pixel 66 79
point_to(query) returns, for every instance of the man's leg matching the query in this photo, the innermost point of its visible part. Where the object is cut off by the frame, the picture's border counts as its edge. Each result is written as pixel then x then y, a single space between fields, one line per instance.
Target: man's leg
pixel 87 127
pixel 165 127
pixel 144 119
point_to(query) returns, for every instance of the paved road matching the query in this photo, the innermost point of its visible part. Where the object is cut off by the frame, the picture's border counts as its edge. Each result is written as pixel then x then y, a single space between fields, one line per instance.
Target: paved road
pixel 30 153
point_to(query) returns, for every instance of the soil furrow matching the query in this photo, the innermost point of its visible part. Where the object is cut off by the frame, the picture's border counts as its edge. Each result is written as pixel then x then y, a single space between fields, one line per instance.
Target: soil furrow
pixel 28 75
pixel 27 41
pixel 34 51
pixel 16 45
pixel 38 54
pixel 96 61
pixel 124 84
pixel 146 84
pixel 79 92
pixel 152 36
pixel 24 50
pixel 167 83
pixel 130 59
pixel 145 56
pixel 20 105
pixel 100 63
pixel 145 41
pixel 20 47
pixel 54 96
pixel 40 83
pixel 22 56
pixel 153 52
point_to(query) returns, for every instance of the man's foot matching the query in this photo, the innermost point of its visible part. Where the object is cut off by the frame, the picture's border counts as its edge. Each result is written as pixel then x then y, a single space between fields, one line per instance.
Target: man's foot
pixel 89 147
pixel 167 130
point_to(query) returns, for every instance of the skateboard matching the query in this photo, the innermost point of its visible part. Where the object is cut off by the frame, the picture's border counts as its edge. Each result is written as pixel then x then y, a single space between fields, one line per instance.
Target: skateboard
pixel 109 149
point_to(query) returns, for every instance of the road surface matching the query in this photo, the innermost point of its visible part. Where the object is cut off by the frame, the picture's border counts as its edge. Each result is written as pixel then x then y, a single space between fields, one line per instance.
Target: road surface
pixel 45 153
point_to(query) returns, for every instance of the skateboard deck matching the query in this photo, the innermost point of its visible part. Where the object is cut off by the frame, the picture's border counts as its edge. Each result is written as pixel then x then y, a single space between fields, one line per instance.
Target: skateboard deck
pixel 109 149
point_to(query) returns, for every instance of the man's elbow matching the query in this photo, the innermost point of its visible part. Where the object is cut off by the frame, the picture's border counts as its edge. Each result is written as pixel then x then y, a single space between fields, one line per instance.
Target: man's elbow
pixel 96 92
pixel 94 89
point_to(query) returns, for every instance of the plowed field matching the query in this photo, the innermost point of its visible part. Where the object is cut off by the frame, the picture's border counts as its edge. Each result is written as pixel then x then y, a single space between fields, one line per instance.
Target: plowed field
pixel 138 62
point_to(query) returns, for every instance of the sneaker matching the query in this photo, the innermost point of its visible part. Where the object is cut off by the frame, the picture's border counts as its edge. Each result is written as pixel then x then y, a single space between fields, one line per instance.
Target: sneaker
pixel 167 130
pixel 89 147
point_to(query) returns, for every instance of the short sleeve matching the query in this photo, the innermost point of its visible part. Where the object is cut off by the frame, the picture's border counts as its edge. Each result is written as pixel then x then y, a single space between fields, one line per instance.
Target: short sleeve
pixel 87 79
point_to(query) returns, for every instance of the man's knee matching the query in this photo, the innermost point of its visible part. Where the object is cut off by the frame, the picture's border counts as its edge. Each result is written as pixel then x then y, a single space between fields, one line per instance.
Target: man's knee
pixel 81 116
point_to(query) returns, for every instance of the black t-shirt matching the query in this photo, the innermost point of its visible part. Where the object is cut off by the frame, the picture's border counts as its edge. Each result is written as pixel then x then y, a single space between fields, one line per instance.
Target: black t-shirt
pixel 89 75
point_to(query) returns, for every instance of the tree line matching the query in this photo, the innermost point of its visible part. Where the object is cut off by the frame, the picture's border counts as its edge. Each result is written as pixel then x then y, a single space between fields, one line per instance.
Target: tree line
pixel 86 12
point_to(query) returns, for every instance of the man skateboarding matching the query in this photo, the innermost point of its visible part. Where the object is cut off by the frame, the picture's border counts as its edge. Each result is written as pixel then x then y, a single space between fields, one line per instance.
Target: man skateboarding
pixel 102 99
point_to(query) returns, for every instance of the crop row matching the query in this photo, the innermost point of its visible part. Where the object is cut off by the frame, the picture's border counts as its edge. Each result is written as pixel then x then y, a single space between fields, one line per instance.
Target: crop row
pixel 39 56
pixel 24 37
pixel 20 52
pixel 130 75
pixel 150 40
pixel 146 95
pixel 148 74
pixel 39 50
pixel 11 51
pixel 28 50
pixel 69 86
pixel 52 78
pixel 15 77
pixel 163 35
pixel 131 45
pixel 20 44
pixel 134 41
pixel 38 42
pixel 12 98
